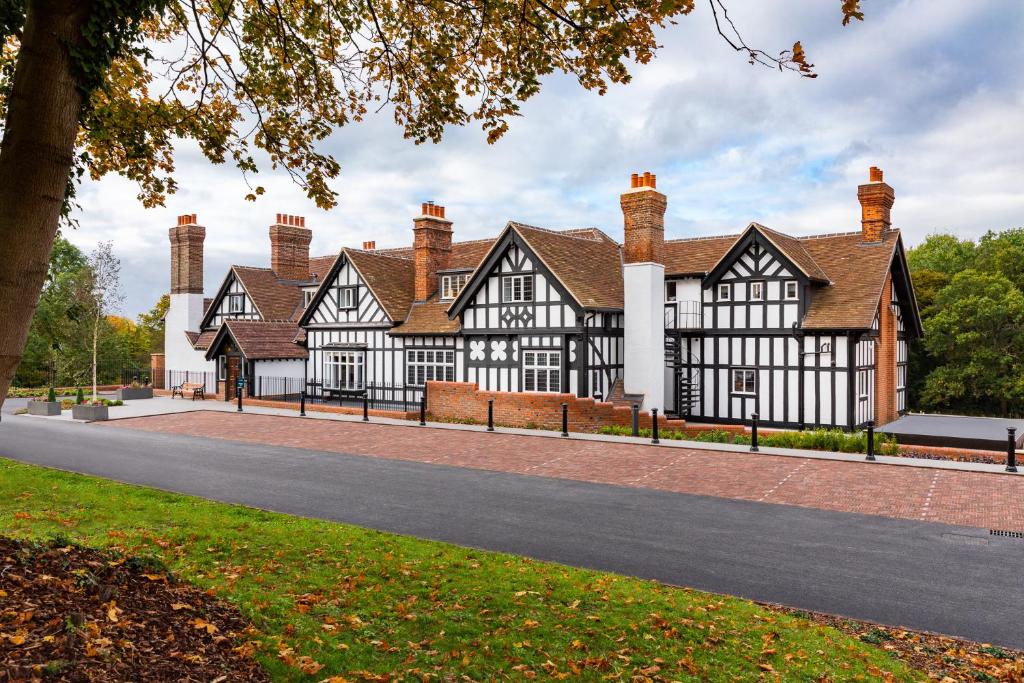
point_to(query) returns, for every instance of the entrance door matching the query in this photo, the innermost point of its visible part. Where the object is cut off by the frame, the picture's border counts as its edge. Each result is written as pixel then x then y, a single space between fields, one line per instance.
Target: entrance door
pixel 231 378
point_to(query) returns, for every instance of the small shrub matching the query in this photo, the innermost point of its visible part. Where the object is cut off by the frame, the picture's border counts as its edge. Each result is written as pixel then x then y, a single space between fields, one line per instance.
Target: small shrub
pixel 80 397
pixel 51 396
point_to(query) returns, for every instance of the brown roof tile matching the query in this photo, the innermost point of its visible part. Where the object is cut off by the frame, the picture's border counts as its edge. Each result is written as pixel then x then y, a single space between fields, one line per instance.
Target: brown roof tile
pixel 319 266
pixel 390 279
pixel 589 267
pixel 275 300
pixel 428 317
pixel 204 340
pixel 793 248
pixel 468 254
pixel 259 340
pixel 696 255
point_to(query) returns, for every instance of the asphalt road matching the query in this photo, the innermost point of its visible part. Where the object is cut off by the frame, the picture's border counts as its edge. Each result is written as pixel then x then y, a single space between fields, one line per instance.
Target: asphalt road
pixel 953 580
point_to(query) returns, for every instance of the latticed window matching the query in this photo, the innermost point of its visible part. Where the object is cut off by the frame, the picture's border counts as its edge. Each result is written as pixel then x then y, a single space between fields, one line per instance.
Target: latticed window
pixel 542 371
pixel 451 285
pixel 344 370
pixel 429 365
pixel 517 288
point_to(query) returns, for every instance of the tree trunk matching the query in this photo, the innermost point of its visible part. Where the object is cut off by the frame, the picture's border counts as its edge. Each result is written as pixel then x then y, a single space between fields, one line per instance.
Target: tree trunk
pixel 95 339
pixel 35 162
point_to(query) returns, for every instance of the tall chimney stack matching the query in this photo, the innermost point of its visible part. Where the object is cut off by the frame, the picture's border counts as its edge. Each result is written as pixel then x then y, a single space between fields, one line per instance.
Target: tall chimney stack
pixel 876 200
pixel 432 247
pixel 289 247
pixel 187 255
pixel 643 275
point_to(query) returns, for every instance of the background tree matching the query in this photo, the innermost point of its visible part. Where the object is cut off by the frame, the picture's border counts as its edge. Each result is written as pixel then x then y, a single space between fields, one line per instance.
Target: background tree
pixel 101 296
pixel 98 86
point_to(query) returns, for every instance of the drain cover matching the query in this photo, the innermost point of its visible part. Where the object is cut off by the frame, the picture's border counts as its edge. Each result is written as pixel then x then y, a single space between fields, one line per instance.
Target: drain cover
pixel 1007 534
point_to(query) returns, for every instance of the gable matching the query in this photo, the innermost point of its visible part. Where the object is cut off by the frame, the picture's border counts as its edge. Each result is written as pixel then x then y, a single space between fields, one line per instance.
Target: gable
pixel 219 309
pixel 753 256
pixel 328 306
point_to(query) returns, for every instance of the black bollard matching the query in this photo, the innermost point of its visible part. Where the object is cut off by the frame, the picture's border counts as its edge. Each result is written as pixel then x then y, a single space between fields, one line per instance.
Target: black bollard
pixel 238 391
pixel 565 419
pixel 871 440
pixel 753 433
pixel 423 410
pixel 1011 449
pixel 366 408
pixel 636 419
pixel 490 414
pixel 302 404
pixel 654 426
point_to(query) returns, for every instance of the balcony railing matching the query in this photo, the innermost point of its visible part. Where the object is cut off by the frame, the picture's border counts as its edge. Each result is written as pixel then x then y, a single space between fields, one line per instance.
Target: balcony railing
pixel 683 315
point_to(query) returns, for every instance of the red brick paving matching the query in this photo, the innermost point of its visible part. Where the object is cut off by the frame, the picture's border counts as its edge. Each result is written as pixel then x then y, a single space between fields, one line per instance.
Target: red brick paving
pixel 967 498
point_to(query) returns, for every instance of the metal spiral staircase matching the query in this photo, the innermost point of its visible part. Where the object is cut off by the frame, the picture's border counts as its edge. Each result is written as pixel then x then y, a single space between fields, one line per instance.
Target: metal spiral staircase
pixel 686 374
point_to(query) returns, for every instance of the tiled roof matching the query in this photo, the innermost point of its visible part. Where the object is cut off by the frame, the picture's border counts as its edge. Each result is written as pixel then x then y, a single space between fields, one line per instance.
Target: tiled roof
pixel 587 264
pixel 191 336
pixel 204 340
pixel 696 255
pixel 390 279
pixel 275 300
pixel 857 271
pixel 258 340
pixel 319 266
pixel 428 317
pixel 468 254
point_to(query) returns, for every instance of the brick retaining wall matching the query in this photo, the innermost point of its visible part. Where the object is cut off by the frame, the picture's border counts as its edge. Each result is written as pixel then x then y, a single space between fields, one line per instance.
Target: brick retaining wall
pixel 464 402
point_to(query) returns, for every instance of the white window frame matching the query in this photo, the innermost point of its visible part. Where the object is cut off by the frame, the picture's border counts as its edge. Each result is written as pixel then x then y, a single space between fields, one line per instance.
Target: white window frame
pixel 785 290
pixel 429 365
pixel 307 297
pixel 236 303
pixel 345 370
pixel 863 384
pixel 725 291
pixel 508 289
pixel 671 284
pixel 222 367
pixel 347 299
pixel 745 374
pixel 759 284
pixel 451 285
pixel 542 370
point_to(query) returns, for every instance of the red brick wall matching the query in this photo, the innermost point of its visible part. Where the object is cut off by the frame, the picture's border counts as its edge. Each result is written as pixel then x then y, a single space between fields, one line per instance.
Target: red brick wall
pixel 289 247
pixel 876 200
pixel 643 213
pixel 463 401
pixel 157 365
pixel 187 256
pixel 885 359
pixel 432 246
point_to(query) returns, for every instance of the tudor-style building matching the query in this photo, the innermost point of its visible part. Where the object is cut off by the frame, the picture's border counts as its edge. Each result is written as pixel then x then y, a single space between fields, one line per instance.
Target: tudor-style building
pixel 804 331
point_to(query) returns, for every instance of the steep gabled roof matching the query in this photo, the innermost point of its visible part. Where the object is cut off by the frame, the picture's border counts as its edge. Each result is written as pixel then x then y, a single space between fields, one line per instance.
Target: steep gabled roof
pixel 258 340
pixel 391 279
pixel 274 299
pixel 790 248
pixel 695 256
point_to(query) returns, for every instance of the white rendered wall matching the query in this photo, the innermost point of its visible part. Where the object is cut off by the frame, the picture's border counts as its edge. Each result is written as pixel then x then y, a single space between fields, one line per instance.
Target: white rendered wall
pixel 184 313
pixel 292 367
pixel 644 358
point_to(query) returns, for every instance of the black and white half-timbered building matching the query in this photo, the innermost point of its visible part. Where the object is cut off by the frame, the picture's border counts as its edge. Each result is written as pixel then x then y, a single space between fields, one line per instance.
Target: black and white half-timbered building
pixel 804 331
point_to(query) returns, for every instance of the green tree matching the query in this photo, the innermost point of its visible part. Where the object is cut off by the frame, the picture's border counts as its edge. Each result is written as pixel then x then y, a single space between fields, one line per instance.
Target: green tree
pixel 152 324
pixel 977 336
pixel 942 253
pixel 110 85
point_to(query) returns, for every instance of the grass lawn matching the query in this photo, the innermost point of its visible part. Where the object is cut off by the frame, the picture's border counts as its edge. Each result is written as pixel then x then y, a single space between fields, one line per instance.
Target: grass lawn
pixel 333 600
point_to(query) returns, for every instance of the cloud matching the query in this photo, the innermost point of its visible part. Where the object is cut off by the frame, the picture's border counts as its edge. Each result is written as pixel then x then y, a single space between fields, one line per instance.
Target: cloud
pixel 930 90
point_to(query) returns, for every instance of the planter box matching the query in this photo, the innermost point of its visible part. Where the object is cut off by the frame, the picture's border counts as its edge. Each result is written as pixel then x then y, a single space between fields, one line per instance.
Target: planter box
pixel 48 408
pixel 134 393
pixel 90 413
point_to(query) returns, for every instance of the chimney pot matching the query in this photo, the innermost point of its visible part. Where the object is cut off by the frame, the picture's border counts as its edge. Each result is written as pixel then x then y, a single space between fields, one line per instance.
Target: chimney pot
pixel 634 180
pixel 875 174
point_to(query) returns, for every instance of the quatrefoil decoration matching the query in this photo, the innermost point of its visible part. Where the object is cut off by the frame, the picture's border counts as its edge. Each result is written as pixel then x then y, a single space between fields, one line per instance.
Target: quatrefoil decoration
pixel 498 352
pixel 476 350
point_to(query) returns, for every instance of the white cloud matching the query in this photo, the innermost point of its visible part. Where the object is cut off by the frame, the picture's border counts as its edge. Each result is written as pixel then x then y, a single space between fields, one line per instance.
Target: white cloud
pixel 930 90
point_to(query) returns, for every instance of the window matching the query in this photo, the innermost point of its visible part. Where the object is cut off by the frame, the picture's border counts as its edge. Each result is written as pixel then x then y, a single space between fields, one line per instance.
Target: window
pixel 236 303
pixel 222 368
pixel 542 371
pixel 791 289
pixel 517 288
pixel 346 297
pixel 429 365
pixel 757 291
pixel 724 292
pixel 863 384
pixel 344 370
pixel 743 381
pixel 307 296
pixel 451 285
pixel 670 291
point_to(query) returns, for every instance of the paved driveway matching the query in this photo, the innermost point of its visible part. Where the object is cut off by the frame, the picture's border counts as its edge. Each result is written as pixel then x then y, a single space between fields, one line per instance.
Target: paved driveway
pixel 954 497
pixel 950 579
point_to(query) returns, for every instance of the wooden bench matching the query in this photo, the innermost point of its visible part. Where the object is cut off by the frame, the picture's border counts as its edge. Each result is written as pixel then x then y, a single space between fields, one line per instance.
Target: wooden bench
pixel 197 390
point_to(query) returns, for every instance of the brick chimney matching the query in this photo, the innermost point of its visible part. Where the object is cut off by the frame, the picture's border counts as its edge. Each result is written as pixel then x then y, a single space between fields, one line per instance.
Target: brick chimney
pixel 643 280
pixel 370 246
pixel 289 247
pixel 643 210
pixel 876 200
pixel 187 255
pixel 432 245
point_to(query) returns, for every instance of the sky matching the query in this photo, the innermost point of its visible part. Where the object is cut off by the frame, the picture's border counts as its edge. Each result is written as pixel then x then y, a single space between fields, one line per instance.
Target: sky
pixel 931 91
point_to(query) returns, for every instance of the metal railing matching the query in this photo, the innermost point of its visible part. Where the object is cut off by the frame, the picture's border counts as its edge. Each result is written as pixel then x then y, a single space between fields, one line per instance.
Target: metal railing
pixel 175 378
pixel 683 315
pixel 378 396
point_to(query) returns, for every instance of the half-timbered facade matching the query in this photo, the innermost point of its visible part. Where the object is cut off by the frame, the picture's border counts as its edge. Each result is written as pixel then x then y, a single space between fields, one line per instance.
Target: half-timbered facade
pixel 803 331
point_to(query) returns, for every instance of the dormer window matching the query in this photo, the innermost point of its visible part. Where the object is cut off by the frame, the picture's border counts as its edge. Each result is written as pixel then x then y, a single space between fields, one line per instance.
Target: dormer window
pixel 307 296
pixel 451 285
pixel 236 303
pixel 791 291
